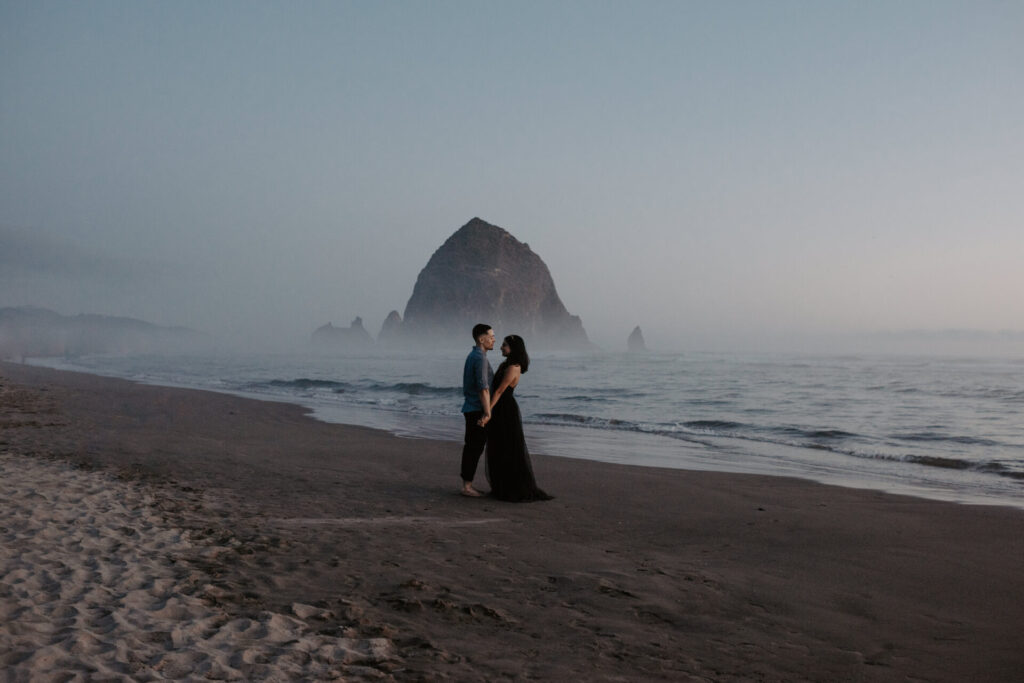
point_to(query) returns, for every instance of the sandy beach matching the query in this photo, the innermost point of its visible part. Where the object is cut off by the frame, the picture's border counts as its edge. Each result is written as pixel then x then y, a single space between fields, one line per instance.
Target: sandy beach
pixel 151 533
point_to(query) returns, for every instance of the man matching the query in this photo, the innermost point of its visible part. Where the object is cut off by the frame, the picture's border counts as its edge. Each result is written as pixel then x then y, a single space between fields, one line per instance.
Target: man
pixel 476 407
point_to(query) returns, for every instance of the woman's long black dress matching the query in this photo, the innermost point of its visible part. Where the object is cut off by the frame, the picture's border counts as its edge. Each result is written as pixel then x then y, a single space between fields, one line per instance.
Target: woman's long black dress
pixel 507 464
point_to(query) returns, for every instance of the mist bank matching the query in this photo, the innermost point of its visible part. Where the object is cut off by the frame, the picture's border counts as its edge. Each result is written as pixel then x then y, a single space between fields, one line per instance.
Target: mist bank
pixel 35 332
pixel 357 339
pixel 938 342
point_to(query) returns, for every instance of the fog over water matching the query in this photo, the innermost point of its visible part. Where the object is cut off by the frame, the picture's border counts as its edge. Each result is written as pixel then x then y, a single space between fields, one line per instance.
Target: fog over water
pixel 791 176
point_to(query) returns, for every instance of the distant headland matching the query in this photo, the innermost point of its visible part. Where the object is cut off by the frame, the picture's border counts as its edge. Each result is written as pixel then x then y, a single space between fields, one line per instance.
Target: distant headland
pixel 39 332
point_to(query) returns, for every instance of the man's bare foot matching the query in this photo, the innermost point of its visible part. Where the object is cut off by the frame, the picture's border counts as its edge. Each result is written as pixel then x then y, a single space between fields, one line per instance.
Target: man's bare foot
pixel 468 490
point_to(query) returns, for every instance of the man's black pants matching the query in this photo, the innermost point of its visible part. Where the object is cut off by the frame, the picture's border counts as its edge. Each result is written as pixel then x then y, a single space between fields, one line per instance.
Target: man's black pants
pixel 476 439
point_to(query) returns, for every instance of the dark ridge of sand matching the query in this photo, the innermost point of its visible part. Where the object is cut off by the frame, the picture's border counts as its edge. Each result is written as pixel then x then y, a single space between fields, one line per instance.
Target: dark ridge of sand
pixel 629 574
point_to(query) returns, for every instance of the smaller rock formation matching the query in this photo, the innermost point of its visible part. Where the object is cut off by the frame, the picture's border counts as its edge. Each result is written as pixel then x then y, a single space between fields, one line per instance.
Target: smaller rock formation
pixel 353 337
pixel 391 330
pixel 635 343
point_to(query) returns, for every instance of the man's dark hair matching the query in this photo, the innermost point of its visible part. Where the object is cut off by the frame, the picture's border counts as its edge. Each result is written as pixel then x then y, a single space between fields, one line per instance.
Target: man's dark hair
pixel 517 352
pixel 479 329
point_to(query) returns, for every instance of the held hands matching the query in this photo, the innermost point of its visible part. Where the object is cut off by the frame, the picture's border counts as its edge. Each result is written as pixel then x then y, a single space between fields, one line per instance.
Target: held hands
pixel 483 420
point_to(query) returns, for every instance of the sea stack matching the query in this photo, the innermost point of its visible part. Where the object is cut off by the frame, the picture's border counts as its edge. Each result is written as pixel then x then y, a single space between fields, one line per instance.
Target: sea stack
pixel 349 338
pixel 635 343
pixel 391 330
pixel 484 274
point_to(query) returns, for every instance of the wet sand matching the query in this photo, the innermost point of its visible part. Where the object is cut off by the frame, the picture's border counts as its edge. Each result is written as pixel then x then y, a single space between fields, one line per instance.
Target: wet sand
pixel 152 533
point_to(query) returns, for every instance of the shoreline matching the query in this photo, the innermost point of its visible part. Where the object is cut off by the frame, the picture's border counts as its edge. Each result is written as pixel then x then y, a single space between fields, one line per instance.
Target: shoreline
pixel 631 573
pixel 713 453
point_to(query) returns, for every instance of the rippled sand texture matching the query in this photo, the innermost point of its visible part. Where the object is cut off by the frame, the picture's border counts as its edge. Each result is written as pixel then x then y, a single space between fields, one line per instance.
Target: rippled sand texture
pixel 91 586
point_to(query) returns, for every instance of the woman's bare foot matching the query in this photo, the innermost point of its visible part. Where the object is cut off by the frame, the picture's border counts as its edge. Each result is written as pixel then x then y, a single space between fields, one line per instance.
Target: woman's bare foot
pixel 468 490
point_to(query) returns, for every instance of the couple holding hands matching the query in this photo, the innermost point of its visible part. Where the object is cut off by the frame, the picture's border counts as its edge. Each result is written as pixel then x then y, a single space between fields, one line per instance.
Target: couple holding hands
pixel 493 420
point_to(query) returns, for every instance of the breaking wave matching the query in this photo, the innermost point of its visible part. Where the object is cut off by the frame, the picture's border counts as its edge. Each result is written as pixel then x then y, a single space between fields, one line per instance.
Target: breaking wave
pixel 836 441
pixel 369 387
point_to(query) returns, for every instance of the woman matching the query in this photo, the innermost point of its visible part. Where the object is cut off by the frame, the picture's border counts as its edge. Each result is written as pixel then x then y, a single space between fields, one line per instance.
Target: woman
pixel 508 465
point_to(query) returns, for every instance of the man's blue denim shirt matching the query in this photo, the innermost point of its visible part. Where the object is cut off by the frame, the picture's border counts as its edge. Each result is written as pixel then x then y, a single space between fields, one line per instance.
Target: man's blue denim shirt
pixel 476 376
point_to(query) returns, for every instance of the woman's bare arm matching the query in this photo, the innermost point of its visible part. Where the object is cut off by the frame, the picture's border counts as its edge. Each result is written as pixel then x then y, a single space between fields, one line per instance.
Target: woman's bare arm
pixel 510 379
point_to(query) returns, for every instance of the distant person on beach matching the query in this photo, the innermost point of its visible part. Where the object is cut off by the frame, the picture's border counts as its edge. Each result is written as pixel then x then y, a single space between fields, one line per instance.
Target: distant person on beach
pixel 508 466
pixel 476 405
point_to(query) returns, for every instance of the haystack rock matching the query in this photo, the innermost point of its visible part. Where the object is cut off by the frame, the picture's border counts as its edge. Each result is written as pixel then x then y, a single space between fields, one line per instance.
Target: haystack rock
pixel 352 337
pixel 484 274
pixel 635 343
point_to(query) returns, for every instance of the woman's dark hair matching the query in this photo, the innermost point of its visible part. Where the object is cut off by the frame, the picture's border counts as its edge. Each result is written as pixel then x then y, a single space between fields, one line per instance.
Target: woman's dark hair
pixel 517 352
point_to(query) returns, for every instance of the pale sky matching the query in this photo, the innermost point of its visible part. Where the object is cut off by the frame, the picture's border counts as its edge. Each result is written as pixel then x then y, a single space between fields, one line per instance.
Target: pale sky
pixel 735 175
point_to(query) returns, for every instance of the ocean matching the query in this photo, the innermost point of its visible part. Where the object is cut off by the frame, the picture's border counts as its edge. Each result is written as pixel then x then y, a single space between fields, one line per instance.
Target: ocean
pixel 941 428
